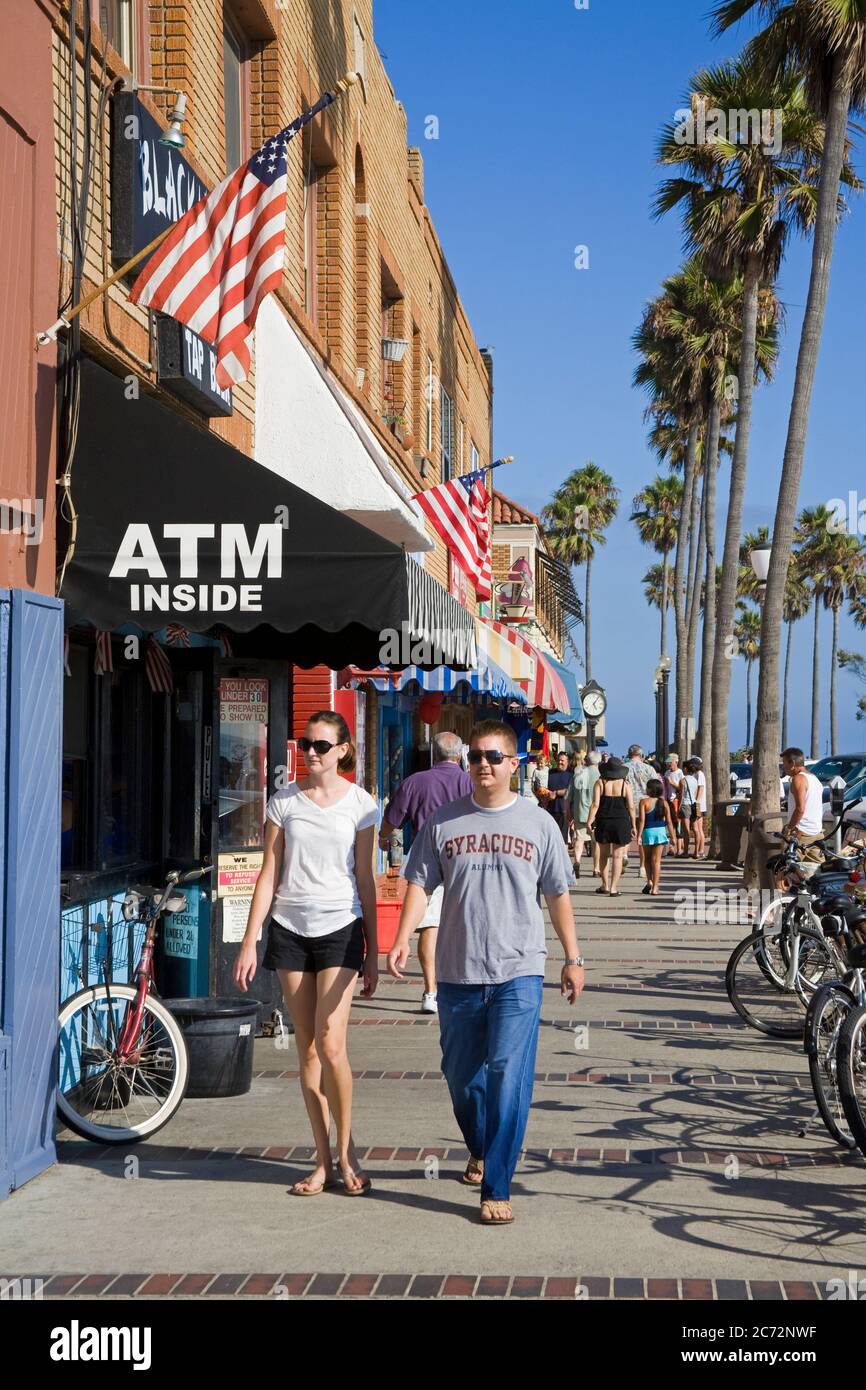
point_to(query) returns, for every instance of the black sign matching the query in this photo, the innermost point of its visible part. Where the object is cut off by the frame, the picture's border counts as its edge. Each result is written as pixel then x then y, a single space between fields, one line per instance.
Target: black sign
pixel 151 184
pixel 176 526
pixel 186 364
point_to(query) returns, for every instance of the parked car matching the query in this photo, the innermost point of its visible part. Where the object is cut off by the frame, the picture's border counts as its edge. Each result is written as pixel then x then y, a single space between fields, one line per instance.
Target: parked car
pixel 743 787
pixel 849 766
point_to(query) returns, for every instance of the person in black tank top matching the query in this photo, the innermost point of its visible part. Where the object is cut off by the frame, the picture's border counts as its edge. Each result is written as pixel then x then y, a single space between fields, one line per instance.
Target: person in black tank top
pixel 612 819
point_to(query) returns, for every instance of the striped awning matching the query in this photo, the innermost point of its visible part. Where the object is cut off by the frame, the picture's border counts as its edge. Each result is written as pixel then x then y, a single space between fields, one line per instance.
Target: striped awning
pixel 543 684
pixel 485 682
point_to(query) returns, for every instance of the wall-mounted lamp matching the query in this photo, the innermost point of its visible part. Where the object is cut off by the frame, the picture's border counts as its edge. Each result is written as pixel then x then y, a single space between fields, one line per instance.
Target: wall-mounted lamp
pixel 174 136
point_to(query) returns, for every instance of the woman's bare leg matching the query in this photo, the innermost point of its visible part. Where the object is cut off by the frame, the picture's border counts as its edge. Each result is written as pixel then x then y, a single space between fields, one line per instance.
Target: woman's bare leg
pixel 299 992
pixel 618 853
pixel 603 872
pixel 655 867
pixel 335 990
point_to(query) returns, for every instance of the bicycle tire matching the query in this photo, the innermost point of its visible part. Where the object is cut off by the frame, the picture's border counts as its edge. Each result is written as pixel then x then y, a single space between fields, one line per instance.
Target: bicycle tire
pixel 852 1074
pixel 821 1041
pixel 103 995
pixel 754 947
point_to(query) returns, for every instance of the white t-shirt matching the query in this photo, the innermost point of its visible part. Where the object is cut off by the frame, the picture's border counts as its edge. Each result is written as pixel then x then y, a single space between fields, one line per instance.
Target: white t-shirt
pixel 702 790
pixel 317 892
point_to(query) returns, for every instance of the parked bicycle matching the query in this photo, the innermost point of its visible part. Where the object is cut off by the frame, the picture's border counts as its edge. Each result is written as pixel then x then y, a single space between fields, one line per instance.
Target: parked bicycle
pixel 774 972
pixel 123 1062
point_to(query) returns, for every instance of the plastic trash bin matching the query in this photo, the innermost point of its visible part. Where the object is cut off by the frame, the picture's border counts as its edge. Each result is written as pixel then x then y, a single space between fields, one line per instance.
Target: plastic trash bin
pixel 219 1036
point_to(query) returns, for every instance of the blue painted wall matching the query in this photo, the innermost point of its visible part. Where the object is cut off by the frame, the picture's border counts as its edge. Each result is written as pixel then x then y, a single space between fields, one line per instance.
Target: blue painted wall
pixel 31 694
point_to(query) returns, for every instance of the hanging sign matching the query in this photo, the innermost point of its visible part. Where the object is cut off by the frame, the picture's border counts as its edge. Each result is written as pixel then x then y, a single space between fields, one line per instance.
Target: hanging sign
pixel 243 700
pixel 152 185
pixel 235 914
pixel 186 364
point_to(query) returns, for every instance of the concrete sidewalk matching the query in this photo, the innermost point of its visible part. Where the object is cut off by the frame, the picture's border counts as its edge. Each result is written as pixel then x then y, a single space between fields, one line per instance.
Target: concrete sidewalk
pixel 671 1153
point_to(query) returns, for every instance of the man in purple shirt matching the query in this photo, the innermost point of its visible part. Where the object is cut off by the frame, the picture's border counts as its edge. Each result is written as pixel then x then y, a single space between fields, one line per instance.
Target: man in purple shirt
pixel 415 800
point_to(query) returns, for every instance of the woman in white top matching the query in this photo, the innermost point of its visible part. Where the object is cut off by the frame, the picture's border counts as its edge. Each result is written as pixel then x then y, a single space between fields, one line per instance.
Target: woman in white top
pixel 317 884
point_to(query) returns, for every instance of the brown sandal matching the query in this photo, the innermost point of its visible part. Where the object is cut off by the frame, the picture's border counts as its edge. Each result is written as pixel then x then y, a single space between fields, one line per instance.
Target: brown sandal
pixel 474 1172
pixel 490 1204
pixel 366 1183
pixel 312 1189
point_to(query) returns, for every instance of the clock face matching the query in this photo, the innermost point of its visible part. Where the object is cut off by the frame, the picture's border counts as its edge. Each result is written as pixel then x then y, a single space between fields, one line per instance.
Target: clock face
pixel 594 704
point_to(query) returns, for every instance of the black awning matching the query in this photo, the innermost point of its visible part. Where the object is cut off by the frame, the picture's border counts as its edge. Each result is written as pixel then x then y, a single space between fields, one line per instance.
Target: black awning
pixel 175 526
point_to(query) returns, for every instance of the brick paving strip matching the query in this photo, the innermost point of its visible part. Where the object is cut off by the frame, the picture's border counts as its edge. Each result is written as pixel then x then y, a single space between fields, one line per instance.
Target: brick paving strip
pixel 152 1286
pixel 613 1155
pixel 592 1078
pixel 647 1024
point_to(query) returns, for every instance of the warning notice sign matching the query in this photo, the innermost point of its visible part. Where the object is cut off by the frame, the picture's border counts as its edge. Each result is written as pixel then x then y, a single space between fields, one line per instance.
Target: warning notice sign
pixel 243 700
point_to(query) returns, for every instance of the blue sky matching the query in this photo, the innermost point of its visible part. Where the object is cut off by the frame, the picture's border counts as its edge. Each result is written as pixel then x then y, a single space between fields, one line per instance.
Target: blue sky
pixel 548 123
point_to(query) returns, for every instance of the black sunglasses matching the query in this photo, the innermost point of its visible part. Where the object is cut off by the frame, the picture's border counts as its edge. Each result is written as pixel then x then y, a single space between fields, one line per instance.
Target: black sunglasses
pixel 320 745
pixel 493 755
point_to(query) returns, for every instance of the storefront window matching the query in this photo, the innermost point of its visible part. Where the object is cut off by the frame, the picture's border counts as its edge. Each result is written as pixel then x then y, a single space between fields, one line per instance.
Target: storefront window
pixel 243 761
pixel 186 771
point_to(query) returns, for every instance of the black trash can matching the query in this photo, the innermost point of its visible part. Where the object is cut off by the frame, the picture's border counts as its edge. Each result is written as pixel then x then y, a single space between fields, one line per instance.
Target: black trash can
pixel 219 1036
pixel 730 818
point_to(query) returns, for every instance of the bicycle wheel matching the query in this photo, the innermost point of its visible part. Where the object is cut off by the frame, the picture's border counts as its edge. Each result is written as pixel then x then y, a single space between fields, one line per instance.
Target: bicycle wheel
pixel 109 1099
pixel 828 1009
pixel 852 1073
pixel 772 917
pixel 757 989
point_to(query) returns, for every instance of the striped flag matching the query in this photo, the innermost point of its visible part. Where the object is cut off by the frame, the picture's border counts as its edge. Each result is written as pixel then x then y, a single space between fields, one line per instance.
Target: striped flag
pixel 219 261
pixel 158 668
pixel 178 636
pixel 457 511
pixel 103 661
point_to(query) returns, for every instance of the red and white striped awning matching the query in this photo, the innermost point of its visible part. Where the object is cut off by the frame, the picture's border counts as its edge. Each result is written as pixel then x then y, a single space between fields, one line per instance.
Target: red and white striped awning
pixel 544 687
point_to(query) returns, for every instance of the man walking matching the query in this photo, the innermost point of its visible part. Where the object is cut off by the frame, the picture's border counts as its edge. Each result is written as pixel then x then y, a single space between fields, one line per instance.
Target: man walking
pixel 805 806
pixel 415 800
pixel 579 801
pixel 494 855
pixel 673 787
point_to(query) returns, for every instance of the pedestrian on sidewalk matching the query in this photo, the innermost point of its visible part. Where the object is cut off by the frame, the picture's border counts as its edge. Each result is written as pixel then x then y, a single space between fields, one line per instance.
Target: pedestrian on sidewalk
pixel 579 801
pixel 317 884
pixel 559 785
pixel 612 821
pixel 673 787
pixel 639 774
pixel 415 800
pixel 690 811
pixel 655 830
pixel 701 819
pixel 494 856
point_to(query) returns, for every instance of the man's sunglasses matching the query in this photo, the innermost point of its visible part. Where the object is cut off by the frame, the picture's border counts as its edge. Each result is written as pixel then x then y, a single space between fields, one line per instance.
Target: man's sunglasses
pixel 493 755
pixel 320 745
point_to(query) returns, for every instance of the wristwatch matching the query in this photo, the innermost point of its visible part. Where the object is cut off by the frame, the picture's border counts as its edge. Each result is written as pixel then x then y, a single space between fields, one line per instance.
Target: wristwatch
pixel 573 960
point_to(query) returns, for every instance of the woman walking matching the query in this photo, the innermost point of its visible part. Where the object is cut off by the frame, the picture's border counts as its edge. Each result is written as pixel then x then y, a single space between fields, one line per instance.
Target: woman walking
pixel 612 820
pixel 656 829
pixel 690 813
pixel 317 884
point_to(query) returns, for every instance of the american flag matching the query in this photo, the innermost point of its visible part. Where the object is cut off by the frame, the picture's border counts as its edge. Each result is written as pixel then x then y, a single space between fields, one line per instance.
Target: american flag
pixel 158 668
pixel 103 661
pixel 219 261
pixel 457 511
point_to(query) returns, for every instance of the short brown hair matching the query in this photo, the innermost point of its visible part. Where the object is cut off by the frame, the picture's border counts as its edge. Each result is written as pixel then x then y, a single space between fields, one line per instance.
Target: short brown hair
pixel 342 735
pixel 494 728
pixel 794 755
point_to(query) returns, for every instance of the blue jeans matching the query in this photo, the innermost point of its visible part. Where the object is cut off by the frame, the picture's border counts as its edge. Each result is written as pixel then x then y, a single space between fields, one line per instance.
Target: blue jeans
pixel 489 1035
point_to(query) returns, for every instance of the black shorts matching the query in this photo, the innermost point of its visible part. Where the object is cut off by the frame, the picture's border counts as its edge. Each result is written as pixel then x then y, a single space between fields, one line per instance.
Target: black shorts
pixel 286 950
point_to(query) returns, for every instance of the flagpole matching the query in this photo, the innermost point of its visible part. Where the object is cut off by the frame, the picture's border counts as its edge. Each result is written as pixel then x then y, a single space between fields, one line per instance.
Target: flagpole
pixel 50 334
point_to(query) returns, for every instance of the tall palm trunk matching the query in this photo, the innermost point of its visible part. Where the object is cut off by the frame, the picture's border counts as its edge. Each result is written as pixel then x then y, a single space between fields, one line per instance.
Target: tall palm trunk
pixel 664 631
pixel 766 784
pixel 834 740
pixel 785 695
pixel 683 532
pixel 694 595
pixel 724 648
pixel 749 743
pixel 708 640
pixel 587 648
pixel 816 686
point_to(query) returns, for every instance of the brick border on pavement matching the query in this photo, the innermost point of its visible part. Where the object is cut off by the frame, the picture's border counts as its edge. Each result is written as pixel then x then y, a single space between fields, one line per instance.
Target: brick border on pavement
pixel 384 1285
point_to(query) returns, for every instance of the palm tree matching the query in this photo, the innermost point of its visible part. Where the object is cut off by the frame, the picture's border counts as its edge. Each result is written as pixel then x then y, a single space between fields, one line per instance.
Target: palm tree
pixel 843 578
pixel 832 564
pixel 656 514
pixel 795 607
pixel 576 519
pixel 747 635
pixel 655 586
pixel 740 200
pixel 826 40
